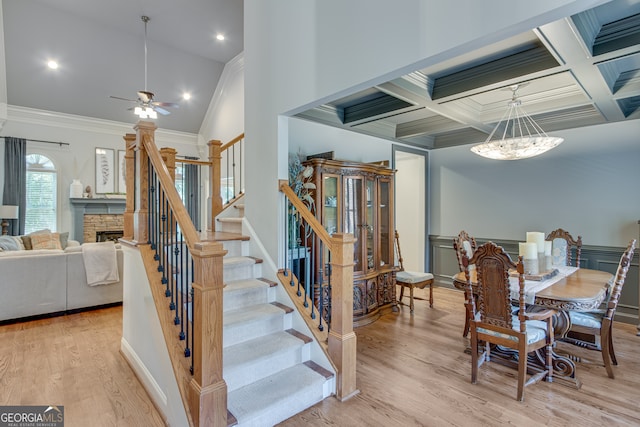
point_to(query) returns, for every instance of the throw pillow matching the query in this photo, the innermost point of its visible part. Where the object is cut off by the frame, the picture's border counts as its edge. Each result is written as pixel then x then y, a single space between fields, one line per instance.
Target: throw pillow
pixel 8 243
pixel 19 243
pixel 27 239
pixel 45 241
pixel 64 239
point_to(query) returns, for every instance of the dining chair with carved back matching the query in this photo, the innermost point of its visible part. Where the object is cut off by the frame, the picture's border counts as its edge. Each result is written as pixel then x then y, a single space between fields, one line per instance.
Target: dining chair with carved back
pixel 562 244
pixel 594 329
pixel 493 321
pixel 411 279
pixel 467 243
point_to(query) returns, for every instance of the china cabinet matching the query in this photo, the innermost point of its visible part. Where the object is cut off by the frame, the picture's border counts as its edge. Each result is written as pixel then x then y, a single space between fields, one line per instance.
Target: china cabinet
pixel 357 198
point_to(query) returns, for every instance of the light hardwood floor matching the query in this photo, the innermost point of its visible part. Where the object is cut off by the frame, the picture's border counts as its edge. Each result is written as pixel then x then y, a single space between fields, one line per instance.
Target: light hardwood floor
pixel 74 361
pixel 412 371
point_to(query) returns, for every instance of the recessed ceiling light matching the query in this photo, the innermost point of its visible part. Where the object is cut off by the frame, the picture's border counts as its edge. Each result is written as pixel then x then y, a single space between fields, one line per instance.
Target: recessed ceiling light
pixel 52 64
pixel 220 36
pixel 186 96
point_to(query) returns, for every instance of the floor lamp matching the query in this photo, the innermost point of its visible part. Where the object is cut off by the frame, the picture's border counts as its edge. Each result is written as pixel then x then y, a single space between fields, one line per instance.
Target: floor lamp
pixel 7 212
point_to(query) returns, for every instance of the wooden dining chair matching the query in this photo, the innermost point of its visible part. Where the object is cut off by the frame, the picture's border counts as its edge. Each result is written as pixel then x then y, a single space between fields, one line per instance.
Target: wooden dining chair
pixel 466 243
pixel 562 244
pixel 594 329
pixel 411 279
pixel 493 321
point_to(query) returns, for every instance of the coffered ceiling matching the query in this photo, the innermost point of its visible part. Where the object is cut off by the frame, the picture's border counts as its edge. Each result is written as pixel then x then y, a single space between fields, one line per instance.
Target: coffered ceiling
pixel 579 71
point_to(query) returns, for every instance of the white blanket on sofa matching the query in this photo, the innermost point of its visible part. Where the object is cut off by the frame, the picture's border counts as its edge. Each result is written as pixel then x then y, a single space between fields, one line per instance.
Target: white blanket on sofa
pixel 100 263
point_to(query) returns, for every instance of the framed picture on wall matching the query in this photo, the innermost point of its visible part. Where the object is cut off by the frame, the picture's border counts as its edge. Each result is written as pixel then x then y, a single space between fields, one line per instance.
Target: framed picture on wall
pixel 122 172
pixel 105 171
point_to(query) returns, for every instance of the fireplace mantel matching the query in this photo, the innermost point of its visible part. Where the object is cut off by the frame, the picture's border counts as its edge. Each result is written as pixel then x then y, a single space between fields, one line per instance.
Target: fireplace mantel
pixel 81 207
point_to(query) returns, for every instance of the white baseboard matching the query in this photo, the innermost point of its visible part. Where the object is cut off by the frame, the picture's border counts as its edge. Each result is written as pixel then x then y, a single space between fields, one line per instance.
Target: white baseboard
pixel 145 377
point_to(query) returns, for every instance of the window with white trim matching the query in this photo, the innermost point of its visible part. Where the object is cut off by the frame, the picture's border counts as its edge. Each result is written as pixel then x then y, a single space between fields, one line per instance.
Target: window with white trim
pixel 42 194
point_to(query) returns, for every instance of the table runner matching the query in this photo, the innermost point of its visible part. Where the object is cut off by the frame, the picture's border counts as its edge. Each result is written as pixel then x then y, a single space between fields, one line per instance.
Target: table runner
pixel 533 286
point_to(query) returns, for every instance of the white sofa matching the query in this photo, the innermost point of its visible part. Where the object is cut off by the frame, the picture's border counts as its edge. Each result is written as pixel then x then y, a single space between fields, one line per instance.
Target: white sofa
pixel 46 281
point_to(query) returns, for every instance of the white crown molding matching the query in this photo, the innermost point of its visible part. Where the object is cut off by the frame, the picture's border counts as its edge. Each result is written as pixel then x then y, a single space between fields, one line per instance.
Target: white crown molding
pixel 231 68
pixel 90 124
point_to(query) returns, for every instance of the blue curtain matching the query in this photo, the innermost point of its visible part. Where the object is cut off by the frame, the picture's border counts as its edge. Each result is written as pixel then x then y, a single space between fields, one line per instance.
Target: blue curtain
pixel 15 180
pixel 191 181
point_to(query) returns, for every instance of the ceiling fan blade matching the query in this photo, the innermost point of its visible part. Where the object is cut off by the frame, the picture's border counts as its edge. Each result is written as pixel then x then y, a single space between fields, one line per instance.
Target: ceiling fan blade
pixel 165 104
pixel 161 111
pixel 123 99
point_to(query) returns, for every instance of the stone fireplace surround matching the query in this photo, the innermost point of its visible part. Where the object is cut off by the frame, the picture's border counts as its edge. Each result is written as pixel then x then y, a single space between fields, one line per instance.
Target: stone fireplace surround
pixel 94 215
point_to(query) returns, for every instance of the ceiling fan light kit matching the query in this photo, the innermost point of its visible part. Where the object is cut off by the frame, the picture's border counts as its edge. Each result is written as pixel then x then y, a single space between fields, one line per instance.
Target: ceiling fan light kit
pixel 147 108
pixel 521 137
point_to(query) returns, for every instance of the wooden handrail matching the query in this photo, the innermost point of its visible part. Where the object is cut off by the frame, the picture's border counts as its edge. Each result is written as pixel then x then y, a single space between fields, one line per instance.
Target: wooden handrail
pixel 306 214
pixel 180 212
pixel 193 162
pixel 232 142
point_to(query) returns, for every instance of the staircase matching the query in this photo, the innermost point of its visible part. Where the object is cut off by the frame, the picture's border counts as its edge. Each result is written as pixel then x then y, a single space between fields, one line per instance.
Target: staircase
pixel 266 362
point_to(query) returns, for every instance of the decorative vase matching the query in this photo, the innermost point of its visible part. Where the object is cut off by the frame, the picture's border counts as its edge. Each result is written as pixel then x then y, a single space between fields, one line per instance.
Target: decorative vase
pixel 75 191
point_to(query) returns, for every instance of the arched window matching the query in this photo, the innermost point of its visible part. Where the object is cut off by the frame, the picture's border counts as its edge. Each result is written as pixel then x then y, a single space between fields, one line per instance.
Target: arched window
pixel 42 194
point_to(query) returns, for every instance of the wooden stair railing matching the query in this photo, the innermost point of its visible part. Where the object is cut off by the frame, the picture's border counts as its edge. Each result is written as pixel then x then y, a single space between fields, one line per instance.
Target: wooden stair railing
pixel 230 159
pixel 338 340
pixel 152 195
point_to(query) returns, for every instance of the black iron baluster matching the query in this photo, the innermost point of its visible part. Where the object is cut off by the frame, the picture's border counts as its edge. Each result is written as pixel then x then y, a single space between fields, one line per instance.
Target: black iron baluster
pixel 233 163
pixel 182 291
pixel 149 203
pixel 286 238
pixel 163 245
pixel 328 308
pixel 171 265
pixel 227 172
pixel 192 298
pixel 320 286
pixel 241 145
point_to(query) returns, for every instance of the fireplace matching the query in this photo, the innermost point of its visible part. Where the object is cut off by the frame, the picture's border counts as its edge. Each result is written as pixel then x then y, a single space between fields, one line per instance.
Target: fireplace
pixel 110 235
pixel 93 216
pixel 102 225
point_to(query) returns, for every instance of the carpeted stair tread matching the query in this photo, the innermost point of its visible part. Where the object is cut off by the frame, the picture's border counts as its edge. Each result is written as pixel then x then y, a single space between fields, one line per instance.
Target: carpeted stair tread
pixel 245 284
pixel 236 261
pixel 277 397
pixel 244 292
pixel 247 351
pixel 250 314
pixel 262 356
pixel 230 219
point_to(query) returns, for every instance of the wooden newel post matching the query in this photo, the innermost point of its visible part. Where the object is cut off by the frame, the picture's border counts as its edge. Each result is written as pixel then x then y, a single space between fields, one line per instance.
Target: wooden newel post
pixel 215 174
pixel 130 180
pixel 169 157
pixel 342 339
pixel 141 216
pixel 208 390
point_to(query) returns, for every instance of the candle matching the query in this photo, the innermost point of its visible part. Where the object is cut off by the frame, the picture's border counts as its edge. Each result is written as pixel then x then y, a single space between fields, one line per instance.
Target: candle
pixel 530 251
pixel 547 248
pixel 537 238
pixel 522 248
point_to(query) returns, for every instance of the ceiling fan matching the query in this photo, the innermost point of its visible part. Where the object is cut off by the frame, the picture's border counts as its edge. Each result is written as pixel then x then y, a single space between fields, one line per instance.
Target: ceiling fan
pixel 147 107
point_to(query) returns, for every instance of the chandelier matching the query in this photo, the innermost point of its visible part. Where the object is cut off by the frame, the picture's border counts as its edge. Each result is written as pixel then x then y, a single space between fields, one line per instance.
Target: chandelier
pixel 521 137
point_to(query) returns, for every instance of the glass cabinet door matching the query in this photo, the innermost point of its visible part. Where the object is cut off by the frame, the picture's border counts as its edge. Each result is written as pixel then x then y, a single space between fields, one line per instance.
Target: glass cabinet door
pixel 353 216
pixel 385 223
pixel 330 202
pixel 368 227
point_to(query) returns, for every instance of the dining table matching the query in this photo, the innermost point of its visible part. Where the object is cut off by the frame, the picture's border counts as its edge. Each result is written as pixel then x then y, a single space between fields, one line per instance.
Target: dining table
pixel 568 288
